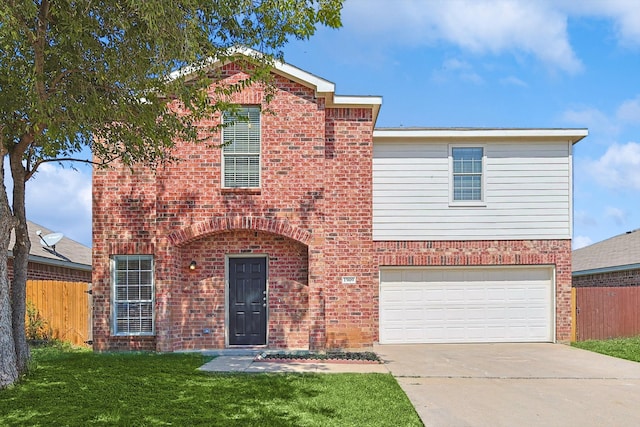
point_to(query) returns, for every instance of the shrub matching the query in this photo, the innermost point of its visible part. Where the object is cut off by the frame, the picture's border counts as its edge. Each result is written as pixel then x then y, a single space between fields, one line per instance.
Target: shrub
pixel 37 327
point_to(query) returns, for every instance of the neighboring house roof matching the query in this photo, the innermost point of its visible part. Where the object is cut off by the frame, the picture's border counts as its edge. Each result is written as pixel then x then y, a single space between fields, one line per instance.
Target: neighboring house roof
pixel 68 253
pixel 615 254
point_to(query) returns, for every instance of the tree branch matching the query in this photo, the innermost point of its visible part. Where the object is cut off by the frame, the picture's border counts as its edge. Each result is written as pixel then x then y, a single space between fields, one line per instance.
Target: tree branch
pixel 70 159
pixel 67 159
pixel 22 145
pixel 58 79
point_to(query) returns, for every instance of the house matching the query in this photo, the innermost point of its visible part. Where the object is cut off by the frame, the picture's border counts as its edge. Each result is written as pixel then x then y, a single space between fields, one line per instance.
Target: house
pixel 313 229
pixel 67 260
pixel 612 262
pixel 58 282
pixel 606 278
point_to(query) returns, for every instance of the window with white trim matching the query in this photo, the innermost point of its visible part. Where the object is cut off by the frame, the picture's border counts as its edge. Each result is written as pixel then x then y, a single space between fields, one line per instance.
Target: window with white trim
pixel 467 169
pixel 241 148
pixel 133 294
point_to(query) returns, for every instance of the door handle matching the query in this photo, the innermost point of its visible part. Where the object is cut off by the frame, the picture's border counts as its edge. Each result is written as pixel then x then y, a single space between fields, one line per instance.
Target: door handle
pixel 264 305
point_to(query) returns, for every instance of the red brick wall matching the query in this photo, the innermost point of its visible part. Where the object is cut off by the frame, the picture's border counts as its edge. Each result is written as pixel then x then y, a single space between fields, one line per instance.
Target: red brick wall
pixel 311 158
pixel 199 299
pixel 38 271
pixel 124 205
pixel 350 310
pixel 615 278
pixel 498 252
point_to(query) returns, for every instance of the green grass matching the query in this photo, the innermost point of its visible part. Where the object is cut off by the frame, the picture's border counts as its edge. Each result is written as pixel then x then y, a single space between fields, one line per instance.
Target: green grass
pixel 67 387
pixel 624 348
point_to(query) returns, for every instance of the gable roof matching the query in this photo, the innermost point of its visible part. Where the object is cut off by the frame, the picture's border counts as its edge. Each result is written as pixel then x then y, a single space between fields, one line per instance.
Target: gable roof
pixel 617 253
pixel 323 88
pixel 68 253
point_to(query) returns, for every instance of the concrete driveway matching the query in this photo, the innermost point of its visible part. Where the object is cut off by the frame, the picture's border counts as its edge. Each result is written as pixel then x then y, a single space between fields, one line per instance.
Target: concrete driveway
pixel 515 385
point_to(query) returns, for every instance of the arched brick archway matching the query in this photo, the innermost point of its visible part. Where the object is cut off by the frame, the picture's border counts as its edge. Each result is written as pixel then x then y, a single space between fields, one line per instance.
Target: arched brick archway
pixel 222 224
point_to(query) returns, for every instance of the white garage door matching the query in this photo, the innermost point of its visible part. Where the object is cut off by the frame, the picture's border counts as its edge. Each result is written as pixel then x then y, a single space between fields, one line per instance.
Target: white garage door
pixel 459 305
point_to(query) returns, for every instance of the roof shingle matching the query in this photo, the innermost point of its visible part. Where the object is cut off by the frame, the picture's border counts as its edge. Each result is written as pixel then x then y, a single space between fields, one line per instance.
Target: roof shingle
pixel 617 251
pixel 67 251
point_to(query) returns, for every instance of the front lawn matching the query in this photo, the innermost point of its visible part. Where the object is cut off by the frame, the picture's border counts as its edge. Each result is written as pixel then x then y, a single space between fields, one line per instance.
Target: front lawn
pixel 624 348
pixel 78 387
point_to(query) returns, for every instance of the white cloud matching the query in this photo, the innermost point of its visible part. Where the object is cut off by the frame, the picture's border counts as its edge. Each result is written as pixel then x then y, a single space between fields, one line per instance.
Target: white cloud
pixel 60 199
pixel 619 167
pixel 456 64
pixel 479 26
pixel 618 215
pixel 538 27
pixel 585 219
pixel 456 68
pixel 513 81
pixel 625 15
pixel 592 118
pixel 581 242
pixel 629 111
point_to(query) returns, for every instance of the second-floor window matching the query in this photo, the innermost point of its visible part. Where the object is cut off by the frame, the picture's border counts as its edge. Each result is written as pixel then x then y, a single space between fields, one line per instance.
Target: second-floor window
pixel 467 169
pixel 241 148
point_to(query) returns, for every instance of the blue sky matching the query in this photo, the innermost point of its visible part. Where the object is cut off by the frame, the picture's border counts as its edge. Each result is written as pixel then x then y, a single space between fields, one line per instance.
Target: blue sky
pixel 495 63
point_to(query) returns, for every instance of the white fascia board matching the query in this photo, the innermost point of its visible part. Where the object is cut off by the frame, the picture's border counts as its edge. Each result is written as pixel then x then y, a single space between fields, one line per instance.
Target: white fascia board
pixel 319 84
pixel 574 135
pixel 373 102
pixel 357 100
pixel 307 79
pixel 603 270
pixel 211 61
pixel 37 259
pixel 190 69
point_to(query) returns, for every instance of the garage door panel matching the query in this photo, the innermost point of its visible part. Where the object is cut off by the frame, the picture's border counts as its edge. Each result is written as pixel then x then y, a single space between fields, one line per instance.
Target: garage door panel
pixel 466 305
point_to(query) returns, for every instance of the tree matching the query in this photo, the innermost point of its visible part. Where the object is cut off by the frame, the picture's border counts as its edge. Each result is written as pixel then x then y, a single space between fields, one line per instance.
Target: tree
pixel 99 74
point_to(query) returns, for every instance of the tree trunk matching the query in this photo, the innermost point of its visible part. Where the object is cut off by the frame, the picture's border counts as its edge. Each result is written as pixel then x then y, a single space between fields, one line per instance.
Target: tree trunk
pixel 8 361
pixel 20 264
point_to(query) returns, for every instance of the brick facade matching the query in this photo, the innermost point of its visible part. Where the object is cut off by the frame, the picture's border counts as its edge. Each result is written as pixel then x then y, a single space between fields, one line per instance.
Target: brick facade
pixel 312 218
pixel 614 278
pixel 489 253
pixel 39 271
pixel 308 218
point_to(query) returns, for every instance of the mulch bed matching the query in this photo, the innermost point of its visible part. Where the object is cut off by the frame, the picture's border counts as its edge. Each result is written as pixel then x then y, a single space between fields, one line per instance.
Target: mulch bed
pixel 328 357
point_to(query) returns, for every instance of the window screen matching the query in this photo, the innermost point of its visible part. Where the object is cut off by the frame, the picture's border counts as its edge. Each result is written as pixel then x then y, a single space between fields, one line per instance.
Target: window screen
pixel 133 295
pixel 467 173
pixel 241 148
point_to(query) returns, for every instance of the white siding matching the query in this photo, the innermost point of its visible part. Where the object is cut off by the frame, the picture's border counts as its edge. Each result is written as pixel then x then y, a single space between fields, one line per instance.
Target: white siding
pixel 527 192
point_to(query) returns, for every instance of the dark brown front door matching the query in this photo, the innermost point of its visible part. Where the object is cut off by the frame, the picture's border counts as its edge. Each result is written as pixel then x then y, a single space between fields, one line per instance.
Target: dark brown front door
pixel 247 301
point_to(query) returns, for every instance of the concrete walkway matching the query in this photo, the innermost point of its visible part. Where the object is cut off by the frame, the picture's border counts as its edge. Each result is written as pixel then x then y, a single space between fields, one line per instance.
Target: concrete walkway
pixel 462 385
pixel 515 385
pixel 247 363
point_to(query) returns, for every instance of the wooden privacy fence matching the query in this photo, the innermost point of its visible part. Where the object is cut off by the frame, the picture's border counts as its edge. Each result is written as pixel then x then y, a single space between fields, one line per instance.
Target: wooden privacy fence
pixel 607 312
pixel 65 306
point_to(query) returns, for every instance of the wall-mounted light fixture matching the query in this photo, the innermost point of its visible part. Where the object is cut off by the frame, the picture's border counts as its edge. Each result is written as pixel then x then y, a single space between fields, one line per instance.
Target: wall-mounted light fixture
pixel 193 265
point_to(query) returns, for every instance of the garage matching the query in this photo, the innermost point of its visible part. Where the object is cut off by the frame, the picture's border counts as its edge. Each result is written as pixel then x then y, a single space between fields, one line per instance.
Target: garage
pixel 466 304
